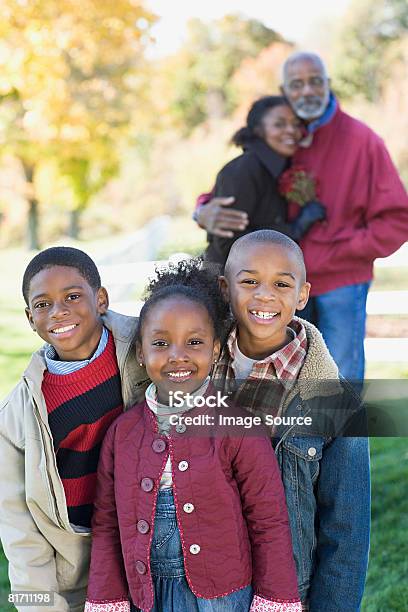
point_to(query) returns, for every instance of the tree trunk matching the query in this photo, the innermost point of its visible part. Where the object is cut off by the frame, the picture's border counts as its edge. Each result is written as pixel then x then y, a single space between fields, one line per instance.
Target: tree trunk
pixel 73 228
pixel 33 223
pixel 33 242
pixel 215 104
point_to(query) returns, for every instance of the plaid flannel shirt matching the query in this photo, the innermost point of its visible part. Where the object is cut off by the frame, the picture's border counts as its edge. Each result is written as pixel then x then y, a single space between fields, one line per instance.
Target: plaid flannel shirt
pixel 265 389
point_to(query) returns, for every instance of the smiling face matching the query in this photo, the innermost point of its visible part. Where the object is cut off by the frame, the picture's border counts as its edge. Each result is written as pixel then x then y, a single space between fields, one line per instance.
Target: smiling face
pixel 265 285
pixel 281 130
pixel 65 311
pixel 307 88
pixel 178 345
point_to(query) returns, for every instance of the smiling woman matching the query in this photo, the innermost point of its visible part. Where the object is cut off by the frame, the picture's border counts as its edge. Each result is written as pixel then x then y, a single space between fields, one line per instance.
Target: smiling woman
pixel 268 140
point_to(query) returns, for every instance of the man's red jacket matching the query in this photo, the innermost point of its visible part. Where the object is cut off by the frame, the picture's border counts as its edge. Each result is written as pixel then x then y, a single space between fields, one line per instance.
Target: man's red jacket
pixel 367 205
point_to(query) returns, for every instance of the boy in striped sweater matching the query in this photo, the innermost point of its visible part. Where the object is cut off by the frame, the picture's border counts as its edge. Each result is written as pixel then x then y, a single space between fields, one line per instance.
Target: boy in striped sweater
pixel 53 423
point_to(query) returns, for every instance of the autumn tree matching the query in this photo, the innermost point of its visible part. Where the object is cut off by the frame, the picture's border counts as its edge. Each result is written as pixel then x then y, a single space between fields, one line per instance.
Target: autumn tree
pixel 199 74
pixel 261 75
pixel 365 46
pixel 71 76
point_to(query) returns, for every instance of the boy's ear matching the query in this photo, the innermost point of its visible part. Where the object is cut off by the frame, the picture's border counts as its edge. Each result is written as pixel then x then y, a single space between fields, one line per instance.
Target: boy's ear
pixel 30 318
pixel 303 296
pixel 224 287
pixel 102 300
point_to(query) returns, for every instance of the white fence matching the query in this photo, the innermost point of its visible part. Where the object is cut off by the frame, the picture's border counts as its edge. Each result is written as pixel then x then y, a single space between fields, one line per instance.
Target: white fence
pixel 120 278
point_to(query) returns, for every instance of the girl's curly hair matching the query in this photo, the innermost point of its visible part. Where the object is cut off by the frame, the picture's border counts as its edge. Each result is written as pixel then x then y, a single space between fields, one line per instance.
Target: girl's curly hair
pixel 189 279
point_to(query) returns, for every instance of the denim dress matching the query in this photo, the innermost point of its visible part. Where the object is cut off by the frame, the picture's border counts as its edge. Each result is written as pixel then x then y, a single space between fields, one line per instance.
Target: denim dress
pixel 171 590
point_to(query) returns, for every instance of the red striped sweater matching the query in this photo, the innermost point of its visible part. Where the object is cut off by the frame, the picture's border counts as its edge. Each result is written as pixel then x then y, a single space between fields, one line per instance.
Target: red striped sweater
pixel 81 406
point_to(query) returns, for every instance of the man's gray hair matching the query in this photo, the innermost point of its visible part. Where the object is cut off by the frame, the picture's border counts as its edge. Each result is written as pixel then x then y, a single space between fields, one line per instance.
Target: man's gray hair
pixel 303 56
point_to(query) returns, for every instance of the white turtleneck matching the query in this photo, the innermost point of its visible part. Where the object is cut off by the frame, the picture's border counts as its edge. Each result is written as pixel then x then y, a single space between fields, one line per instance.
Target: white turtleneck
pixel 163 413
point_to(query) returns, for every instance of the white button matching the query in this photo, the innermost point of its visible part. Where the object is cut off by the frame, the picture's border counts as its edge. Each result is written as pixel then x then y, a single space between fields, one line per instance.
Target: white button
pixel 195 549
pixel 183 466
pixel 181 428
pixel 312 451
pixel 188 508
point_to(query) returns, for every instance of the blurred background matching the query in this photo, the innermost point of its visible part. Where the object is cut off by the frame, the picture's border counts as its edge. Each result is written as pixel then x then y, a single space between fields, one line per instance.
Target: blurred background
pixel 114 116
pixel 113 113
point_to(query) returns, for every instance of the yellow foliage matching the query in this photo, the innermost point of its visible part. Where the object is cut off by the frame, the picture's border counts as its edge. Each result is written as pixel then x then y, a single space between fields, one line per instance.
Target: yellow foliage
pixel 260 76
pixel 70 79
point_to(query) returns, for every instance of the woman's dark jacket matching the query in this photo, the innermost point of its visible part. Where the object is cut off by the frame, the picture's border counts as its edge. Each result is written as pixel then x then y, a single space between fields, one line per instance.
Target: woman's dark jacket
pixel 252 178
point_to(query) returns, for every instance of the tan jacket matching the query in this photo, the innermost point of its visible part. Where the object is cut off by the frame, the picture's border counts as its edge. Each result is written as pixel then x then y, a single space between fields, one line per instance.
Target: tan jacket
pixel 44 552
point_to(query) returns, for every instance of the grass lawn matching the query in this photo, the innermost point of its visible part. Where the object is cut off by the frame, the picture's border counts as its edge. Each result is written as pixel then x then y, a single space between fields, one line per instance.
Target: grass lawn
pixel 387 585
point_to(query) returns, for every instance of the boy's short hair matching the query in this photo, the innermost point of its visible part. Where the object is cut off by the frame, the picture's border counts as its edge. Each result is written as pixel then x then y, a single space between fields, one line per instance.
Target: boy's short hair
pixel 268 236
pixel 62 256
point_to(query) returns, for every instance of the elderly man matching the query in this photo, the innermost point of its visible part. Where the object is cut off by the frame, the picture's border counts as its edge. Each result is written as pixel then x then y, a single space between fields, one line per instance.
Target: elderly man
pixel 367 210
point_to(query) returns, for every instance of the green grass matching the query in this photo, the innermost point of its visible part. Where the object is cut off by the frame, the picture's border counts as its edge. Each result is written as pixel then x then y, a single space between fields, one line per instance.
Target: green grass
pixel 17 344
pixel 387 587
pixel 4 586
pixel 385 371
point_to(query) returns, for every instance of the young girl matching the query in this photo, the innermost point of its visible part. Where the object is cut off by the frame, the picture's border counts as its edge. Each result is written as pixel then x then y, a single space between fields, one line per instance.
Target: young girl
pixel 187 522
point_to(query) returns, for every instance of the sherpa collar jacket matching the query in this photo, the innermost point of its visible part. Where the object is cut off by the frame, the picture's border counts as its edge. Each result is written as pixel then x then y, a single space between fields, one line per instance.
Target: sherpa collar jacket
pixel 321 474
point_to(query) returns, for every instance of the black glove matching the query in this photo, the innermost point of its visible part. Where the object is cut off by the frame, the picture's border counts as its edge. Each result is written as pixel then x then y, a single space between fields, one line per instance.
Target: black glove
pixel 310 213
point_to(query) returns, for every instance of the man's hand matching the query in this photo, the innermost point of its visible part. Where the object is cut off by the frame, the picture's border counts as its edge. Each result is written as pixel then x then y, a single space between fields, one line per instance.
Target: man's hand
pixel 218 219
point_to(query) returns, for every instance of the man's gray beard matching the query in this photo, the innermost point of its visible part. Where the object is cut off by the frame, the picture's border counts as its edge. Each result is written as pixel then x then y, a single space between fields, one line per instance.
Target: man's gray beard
pixel 314 112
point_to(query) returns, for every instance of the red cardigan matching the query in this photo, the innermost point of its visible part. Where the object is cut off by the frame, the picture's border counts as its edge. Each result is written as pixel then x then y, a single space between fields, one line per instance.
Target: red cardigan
pixel 219 475
pixel 367 205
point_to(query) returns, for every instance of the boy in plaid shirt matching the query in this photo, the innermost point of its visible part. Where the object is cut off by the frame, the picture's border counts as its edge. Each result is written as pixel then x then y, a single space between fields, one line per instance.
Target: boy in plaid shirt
pixel 277 364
